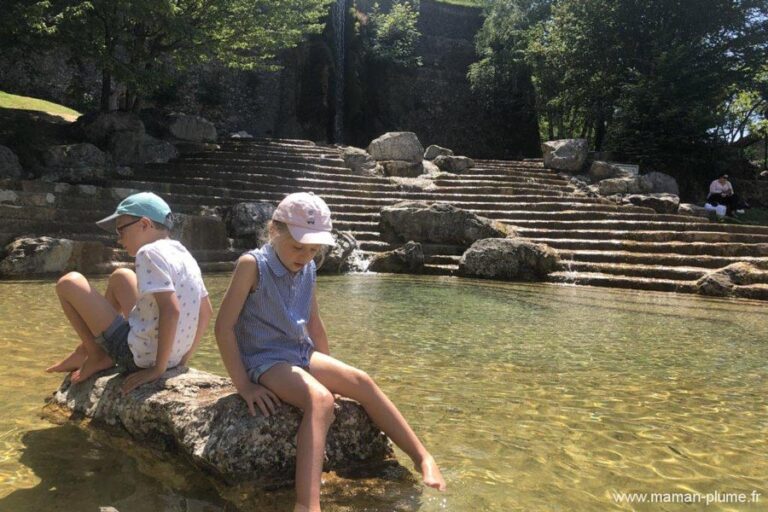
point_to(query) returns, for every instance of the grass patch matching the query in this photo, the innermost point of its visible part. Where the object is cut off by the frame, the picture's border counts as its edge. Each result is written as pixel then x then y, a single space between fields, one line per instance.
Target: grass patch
pixel 755 216
pixel 13 101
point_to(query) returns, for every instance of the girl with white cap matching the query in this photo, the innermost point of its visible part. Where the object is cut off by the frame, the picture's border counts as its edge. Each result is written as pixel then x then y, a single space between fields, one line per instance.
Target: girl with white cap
pixel 275 348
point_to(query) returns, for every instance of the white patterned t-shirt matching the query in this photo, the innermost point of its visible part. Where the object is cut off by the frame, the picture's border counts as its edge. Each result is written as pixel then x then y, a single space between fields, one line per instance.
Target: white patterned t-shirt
pixel 162 266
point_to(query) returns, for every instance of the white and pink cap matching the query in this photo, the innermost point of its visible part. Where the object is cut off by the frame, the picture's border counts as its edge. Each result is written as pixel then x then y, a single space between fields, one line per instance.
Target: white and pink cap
pixel 308 218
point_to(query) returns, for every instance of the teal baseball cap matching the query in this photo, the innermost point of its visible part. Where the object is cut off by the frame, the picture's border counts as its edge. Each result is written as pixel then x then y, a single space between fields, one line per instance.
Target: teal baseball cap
pixel 143 204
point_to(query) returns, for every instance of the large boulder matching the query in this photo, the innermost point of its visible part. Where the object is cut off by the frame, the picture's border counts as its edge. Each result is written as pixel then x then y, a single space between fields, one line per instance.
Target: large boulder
pixel 397 146
pixel 435 151
pixel 99 127
pixel 45 255
pixel 360 161
pixel 199 232
pixel 453 164
pixel 402 168
pixel 660 203
pixel 662 183
pixel 156 151
pixel 436 223
pixel 722 282
pixel 408 259
pixel 510 259
pixel 9 164
pixel 74 163
pixel 565 154
pixel 339 258
pixel 202 417
pixel 250 220
pixel 625 185
pixel 190 128
pixel 600 170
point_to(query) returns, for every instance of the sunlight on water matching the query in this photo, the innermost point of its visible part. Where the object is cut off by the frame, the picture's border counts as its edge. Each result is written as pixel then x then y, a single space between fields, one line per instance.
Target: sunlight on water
pixel 531 397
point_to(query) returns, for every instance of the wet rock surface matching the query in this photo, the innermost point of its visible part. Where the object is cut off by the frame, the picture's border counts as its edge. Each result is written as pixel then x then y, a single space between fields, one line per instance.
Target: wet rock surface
pixel 200 416
pixel 408 259
pixel 723 282
pixel 508 259
pixel 46 255
pixel 337 259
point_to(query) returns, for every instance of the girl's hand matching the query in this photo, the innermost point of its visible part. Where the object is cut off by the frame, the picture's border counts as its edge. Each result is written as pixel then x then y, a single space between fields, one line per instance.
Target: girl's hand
pixel 261 396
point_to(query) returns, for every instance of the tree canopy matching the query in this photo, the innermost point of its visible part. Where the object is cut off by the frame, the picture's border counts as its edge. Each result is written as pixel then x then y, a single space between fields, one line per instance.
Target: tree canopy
pixel 652 80
pixel 138 41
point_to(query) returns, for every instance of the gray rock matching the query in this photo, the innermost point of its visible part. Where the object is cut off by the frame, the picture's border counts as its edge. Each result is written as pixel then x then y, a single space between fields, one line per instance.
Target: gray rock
pixel 436 223
pixel 360 161
pixel 74 163
pixel 626 185
pixel 397 146
pixel 722 282
pixel 242 134
pixel 336 259
pixel 600 170
pixel 46 255
pixel 250 220
pixel 198 232
pixel 660 203
pixel 454 164
pixel 431 169
pixel 565 154
pixel 434 151
pixel 662 183
pixel 201 416
pixel 508 259
pixel 402 168
pixel 156 151
pixel 191 128
pixel 408 259
pixel 99 127
pixel 127 148
pixel 9 164
pixel 692 209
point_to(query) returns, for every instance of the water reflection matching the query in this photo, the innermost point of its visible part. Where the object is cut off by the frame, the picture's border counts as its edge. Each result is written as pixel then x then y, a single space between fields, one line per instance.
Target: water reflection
pixel 532 398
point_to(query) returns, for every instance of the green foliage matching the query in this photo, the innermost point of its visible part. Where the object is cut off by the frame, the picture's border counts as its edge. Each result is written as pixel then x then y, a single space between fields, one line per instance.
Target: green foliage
pixel 648 79
pixel 393 35
pixel 138 41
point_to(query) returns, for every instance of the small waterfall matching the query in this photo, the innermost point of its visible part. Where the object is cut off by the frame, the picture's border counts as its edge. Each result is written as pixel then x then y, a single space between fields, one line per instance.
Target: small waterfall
pixel 357 262
pixel 338 15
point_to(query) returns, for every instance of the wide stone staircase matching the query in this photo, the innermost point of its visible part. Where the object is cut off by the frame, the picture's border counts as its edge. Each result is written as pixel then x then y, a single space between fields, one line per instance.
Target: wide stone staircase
pixel 600 242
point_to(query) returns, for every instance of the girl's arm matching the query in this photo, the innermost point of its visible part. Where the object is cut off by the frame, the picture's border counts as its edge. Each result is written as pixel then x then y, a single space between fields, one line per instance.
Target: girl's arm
pixel 316 328
pixel 245 277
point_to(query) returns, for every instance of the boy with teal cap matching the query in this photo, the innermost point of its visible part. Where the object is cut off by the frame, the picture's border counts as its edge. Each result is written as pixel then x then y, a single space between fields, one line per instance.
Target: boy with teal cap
pixel 147 321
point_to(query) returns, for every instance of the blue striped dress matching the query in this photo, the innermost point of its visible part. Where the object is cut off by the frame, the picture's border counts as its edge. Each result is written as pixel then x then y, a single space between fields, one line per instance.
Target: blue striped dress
pixel 272 327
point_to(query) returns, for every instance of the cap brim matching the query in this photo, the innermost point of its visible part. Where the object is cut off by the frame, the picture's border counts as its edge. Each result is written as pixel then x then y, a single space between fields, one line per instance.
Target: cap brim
pixel 108 223
pixel 309 236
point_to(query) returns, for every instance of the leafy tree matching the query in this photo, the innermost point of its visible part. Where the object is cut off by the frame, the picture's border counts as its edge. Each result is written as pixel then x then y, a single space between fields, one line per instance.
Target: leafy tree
pixel 393 35
pixel 138 41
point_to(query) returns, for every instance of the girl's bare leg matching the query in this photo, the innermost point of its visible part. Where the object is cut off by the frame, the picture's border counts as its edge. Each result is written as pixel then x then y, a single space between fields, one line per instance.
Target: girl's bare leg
pixel 122 293
pixel 353 383
pixel 89 313
pixel 298 388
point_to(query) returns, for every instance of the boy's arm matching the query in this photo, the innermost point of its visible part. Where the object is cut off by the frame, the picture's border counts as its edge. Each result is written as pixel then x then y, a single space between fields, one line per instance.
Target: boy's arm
pixel 246 275
pixel 203 319
pixel 168 319
pixel 316 328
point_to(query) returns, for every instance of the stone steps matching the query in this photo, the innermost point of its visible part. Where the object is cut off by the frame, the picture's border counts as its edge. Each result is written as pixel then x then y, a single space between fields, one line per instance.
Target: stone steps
pixel 689 248
pixel 674 224
pixel 662 259
pixel 645 235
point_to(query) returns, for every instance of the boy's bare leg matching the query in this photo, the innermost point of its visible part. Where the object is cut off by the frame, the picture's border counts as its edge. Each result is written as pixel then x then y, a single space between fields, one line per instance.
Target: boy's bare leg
pixel 353 383
pixel 298 388
pixel 122 293
pixel 89 313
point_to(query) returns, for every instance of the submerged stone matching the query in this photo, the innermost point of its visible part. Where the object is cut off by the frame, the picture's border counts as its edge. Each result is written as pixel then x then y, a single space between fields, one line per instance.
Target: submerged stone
pixel 408 259
pixel 510 259
pixel 201 416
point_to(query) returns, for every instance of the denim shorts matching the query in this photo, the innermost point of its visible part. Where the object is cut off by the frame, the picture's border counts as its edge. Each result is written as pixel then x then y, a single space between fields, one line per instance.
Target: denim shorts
pixel 114 341
pixel 299 358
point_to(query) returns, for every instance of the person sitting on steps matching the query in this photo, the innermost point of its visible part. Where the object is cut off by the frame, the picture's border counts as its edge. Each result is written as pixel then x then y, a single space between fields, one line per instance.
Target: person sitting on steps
pixel 721 193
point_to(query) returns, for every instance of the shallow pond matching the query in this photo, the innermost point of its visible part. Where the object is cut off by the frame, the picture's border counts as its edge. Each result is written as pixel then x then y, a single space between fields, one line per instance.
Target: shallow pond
pixel 531 397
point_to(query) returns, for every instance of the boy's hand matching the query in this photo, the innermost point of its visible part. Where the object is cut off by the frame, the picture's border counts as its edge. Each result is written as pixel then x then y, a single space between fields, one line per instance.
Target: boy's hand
pixel 261 396
pixel 140 377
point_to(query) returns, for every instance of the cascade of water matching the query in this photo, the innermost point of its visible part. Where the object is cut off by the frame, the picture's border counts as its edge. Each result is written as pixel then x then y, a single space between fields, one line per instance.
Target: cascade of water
pixel 357 262
pixel 338 14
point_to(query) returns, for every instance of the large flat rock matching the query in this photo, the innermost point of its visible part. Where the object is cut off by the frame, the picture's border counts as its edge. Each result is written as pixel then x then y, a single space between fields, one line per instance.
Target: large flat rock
pixel 201 416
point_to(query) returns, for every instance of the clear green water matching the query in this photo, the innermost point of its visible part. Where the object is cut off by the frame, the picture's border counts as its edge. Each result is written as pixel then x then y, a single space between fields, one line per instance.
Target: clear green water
pixel 531 397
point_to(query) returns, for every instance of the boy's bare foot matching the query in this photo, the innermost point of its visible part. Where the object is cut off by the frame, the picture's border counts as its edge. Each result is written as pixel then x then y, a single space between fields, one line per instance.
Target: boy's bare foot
pixel 91 366
pixel 431 474
pixel 70 363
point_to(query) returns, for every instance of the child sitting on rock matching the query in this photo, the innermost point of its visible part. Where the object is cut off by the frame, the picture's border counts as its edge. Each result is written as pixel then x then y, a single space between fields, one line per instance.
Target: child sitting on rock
pixel 147 321
pixel 275 348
